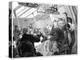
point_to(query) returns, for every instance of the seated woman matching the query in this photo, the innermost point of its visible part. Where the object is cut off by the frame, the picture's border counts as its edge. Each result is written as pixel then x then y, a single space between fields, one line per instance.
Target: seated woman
pixel 48 46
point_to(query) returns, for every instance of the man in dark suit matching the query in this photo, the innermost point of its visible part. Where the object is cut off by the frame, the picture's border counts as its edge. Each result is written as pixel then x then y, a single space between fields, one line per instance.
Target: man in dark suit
pixel 26 47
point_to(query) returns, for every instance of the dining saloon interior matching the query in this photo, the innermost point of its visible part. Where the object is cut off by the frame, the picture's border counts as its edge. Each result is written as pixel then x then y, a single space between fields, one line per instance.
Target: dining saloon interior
pixel 37 29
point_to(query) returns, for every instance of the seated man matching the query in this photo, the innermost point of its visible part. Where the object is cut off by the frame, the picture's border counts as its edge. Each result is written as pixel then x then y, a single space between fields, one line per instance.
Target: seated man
pixel 26 47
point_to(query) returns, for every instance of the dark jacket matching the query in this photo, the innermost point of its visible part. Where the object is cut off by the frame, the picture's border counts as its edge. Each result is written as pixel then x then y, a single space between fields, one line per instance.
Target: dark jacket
pixel 26 47
pixel 29 37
